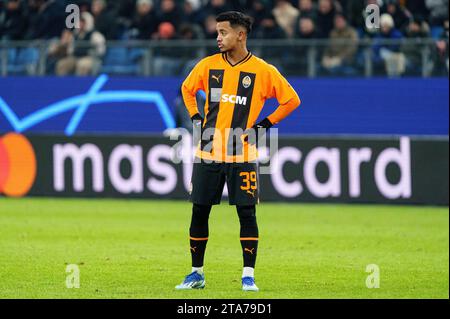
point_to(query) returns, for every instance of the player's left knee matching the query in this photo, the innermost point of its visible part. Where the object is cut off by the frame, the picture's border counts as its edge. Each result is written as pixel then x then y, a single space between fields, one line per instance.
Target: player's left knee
pixel 246 211
pixel 247 219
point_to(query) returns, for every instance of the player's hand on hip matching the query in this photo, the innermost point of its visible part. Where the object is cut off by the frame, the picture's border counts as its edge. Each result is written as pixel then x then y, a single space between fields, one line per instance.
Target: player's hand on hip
pixel 256 131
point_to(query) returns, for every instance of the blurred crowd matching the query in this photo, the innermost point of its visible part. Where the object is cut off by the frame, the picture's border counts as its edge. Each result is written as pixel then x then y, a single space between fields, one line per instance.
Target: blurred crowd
pixel 153 20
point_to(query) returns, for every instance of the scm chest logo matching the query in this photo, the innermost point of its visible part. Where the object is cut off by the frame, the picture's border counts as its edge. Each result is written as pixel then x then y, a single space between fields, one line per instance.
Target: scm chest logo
pixel 235 99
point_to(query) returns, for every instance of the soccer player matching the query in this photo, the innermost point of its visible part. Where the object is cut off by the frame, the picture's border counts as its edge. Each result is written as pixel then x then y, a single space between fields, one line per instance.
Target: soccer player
pixel 236 83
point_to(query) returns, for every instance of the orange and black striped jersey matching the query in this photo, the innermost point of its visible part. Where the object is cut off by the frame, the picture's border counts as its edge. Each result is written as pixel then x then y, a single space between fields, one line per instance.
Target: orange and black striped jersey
pixel 235 97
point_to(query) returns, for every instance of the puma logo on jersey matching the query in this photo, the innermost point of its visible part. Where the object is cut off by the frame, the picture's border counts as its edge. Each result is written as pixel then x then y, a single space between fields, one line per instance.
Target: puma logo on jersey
pixel 251 193
pixel 193 249
pixel 235 99
pixel 249 250
pixel 216 77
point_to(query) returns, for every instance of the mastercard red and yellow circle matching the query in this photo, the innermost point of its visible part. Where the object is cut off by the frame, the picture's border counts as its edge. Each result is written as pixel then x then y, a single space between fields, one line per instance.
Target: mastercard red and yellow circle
pixel 17 165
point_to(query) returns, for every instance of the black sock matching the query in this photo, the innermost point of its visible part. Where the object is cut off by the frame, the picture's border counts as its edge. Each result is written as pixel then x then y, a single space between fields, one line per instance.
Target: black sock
pixel 198 233
pixel 249 234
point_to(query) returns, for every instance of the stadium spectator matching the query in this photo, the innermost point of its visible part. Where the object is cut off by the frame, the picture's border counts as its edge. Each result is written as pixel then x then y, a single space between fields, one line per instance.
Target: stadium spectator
pixel 215 7
pixel 355 12
pixel 400 15
pixel 140 19
pixel 83 58
pixel 192 12
pixel 286 15
pixel 167 61
pixel 47 19
pixel 325 18
pixel 416 29
pixel 306 29
pixel 189 32
pixel 438 11
pixel 268 29
pixel 144 23
pixel 126 9
pixel 442 47
pixel 259 10
pixel 307 9
pixel 166 31
pixel 338 56
pixel 387 54
pixel 296 61
pixel 105 19
pixel 84 5
pixel 168 12
pixel 13 21
pixel 210 27
pixel 417 8
pixel 58 49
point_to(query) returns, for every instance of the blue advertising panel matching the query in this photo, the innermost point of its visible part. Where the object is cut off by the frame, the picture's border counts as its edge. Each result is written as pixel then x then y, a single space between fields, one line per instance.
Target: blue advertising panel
pixel 76 105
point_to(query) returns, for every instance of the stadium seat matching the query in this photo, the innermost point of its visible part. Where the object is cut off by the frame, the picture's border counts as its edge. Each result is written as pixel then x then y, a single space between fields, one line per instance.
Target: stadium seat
pixel 22 61
pixel 121 61
pixel 436 32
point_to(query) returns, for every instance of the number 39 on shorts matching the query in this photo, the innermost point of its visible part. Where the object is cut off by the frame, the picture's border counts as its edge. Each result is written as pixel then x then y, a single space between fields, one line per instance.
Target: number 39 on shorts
pixel 248 180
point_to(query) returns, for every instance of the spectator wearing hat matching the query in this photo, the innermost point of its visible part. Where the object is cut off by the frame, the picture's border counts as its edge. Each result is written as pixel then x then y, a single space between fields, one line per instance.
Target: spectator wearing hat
pixel 385 54
pixel 400 14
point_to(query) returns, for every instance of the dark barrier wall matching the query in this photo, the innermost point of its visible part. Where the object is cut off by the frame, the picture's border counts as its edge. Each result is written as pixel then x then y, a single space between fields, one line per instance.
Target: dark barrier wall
pixel 388 170
pixel 126 105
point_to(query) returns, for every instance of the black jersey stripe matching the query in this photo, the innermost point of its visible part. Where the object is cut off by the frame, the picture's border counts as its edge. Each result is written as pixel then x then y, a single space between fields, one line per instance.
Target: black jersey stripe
pixel 241 111
pixel 214 93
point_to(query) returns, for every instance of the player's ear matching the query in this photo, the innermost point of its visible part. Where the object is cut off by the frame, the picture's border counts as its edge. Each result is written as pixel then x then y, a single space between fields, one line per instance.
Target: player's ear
pixel 241 35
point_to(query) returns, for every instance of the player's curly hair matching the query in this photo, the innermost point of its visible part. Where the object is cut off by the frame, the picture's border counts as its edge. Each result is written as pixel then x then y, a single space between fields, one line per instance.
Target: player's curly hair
pixel 236 18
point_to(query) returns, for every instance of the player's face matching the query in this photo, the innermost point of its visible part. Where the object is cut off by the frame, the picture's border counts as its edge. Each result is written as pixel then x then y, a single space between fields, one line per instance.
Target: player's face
pixel 227 37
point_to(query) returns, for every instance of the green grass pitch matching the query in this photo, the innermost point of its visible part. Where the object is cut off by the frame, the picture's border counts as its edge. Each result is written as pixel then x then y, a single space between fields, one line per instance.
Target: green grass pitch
pixel 140 249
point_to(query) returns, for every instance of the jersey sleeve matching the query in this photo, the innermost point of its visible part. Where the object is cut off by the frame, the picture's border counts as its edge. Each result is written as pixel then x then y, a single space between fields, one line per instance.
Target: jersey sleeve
pixel 190 86
pixel 285 94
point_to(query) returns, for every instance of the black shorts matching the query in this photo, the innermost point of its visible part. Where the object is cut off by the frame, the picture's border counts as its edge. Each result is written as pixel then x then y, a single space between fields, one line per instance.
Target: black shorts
pixel 208 180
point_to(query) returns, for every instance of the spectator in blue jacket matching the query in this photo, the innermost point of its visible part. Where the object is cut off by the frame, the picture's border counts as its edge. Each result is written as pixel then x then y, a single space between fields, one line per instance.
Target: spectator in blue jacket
pixel 385 53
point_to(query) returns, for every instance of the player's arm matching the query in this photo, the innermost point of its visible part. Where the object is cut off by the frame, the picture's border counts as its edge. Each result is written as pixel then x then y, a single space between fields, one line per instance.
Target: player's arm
pixel 286 96
pixel 189 88
pixel 276 86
